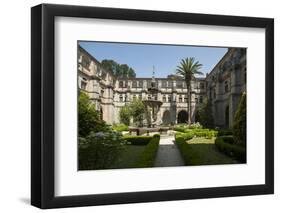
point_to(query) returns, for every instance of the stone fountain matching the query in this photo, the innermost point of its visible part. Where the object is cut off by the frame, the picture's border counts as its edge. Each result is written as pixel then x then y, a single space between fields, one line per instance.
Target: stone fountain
pixel 152 104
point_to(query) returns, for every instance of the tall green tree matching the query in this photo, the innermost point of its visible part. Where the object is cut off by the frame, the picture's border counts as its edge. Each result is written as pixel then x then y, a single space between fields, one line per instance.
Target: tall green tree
pixel 137 109
pixel 206 117
pixel 125 115
pixel 240 121
pixel 89 119
pixel 187 69
pixel 110 65
pixel 119 70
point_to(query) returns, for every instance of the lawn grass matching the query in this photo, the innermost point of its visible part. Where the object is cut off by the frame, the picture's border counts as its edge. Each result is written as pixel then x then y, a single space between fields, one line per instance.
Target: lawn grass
pixel 128 157
pixel 202 151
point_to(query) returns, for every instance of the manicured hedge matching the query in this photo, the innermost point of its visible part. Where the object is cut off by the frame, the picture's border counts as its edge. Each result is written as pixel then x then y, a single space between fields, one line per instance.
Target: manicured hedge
pixel 205 133
pixel 147 158
pixel 227 139
pixel 232 150
pixel 179 129
pixel 138 140
pixel 185 136
pixel 120 127
pixel 223 132
pixel 198 132
pixel 189 156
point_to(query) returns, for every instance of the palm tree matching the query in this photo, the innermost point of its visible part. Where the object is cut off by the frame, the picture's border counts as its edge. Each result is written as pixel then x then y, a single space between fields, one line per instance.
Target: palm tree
pixel 186 70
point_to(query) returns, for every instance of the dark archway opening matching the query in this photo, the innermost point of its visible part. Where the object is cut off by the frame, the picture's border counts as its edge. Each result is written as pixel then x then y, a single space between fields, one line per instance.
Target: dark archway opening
pixel 182 117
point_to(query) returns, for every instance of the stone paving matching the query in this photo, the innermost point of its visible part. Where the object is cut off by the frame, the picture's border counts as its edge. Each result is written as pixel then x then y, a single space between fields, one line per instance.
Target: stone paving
pixel 168 153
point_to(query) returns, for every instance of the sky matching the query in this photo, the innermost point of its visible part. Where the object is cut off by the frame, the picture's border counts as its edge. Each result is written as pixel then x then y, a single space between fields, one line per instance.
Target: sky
pixel 165 58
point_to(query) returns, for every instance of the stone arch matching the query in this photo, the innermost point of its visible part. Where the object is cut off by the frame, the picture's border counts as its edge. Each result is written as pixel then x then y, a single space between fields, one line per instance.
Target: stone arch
pixel 182 116
pixel 166 119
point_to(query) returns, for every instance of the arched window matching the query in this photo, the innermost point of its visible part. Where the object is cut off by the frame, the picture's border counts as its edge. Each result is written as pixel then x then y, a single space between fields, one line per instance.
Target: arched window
pixel 226 88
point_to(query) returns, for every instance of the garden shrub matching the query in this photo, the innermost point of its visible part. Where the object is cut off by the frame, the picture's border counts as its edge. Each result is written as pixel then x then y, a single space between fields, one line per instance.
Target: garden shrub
pixel 99 150
pixel 125 115
pixel 206 114
pixel 196 125
pixel 88 117
pixel 239 124
pixel 189 156
pixel 120 127
pixel 185 136
pixel 137 140
pixel 197 132
pixel 223 132
pixel 232 150
pixel 148 156
pixel 137 109
pixel 227 139
pixel 179 129
pixel 204 133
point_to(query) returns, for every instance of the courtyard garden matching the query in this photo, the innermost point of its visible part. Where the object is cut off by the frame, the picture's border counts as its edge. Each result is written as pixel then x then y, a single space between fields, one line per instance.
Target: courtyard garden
pixel 103 146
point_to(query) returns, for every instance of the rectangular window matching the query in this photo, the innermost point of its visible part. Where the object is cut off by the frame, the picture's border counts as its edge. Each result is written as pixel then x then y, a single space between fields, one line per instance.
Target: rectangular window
pixel 120 98
pixel 179 84
pixel 170 84
pixel 180 98
pixel 185 99
pixel 164 98
pixel 169 98
pixel 134 84
pixel 83 85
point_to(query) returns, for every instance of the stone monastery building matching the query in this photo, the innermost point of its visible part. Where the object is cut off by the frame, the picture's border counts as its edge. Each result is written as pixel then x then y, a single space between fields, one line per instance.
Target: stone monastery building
pixel 223 86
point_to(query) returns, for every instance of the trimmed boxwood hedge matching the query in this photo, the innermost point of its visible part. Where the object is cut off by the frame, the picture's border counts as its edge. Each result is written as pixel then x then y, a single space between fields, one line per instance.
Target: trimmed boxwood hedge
pixel 227 139
pixel 198 132
pixel 223 132
pixel 148 156
pixel 232 150
pixel 184 136
pixel 138 140
pixel 189 156
pixel 120 127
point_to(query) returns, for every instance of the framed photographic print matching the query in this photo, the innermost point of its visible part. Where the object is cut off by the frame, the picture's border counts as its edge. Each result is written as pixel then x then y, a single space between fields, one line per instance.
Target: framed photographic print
pixel 140 106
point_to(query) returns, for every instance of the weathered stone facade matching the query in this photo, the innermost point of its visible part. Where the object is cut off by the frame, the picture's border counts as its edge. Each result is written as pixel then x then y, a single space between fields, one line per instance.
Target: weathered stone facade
pixel 223 86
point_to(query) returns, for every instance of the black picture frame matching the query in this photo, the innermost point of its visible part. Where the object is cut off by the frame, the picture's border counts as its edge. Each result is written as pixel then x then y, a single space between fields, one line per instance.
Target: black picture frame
pixel 43 105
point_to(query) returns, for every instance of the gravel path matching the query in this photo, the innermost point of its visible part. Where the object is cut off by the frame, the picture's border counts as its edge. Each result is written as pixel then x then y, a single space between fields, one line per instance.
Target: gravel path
pixel 168 153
